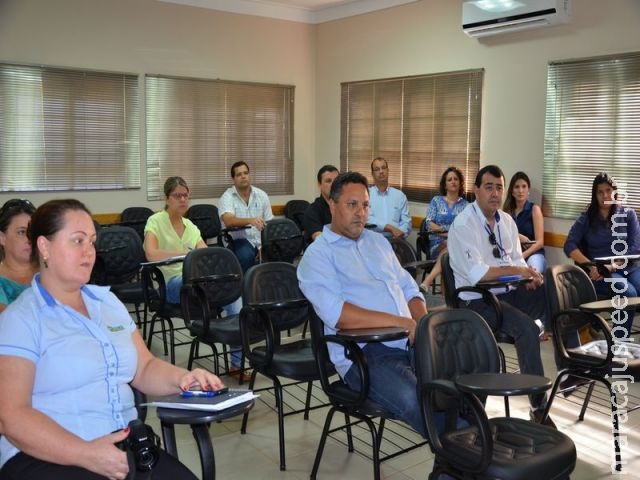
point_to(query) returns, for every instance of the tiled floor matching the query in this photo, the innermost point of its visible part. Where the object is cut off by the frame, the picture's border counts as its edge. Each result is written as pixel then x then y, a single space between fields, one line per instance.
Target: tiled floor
pixel 255 454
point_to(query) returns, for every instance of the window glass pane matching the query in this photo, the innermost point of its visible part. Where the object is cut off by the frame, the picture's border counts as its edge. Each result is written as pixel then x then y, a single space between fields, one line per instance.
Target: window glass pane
pixel 421 125
pixel 68 129
pixel 198 128
pixel 592 125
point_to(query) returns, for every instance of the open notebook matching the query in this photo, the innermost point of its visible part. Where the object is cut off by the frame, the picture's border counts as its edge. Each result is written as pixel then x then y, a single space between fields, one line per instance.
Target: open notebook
pixel 217 403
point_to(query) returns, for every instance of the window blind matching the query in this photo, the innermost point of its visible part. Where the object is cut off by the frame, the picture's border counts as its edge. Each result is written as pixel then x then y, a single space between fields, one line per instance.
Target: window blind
pixel 64 129
pixel 198 128
pixel 592 125
pixel 420 124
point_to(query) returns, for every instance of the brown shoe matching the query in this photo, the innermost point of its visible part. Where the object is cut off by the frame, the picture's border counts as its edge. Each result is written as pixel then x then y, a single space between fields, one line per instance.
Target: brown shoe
pixel 235 372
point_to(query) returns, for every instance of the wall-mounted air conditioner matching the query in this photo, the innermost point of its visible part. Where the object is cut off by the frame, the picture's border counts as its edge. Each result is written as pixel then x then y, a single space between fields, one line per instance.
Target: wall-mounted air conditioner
pixel 481 18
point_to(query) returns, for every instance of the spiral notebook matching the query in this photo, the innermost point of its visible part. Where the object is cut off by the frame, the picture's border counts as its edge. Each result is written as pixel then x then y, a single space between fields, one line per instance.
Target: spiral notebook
pixel 219 402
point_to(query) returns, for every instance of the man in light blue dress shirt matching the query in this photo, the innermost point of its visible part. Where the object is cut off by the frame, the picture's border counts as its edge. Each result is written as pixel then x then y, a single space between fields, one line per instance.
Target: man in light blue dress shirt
pixel 353 280
pixel 389 208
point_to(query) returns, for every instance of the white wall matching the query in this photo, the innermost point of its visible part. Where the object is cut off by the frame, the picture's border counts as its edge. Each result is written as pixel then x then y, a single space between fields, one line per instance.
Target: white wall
pixel 146 36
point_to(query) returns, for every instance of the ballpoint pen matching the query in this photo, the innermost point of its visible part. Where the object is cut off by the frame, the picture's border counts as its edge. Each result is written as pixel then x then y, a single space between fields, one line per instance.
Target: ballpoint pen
pixel 203 393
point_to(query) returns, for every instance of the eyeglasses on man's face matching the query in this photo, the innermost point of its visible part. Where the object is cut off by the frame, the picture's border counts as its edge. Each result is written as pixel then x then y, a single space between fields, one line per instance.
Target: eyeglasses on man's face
pixel 179 196
pixel 354 205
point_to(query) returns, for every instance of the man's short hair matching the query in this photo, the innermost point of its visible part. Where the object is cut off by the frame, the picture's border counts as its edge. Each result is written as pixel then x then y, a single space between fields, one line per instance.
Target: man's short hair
pixel 236 165
pixel 324 169
pixel 344 178
pixel 379 159
pixel 492 170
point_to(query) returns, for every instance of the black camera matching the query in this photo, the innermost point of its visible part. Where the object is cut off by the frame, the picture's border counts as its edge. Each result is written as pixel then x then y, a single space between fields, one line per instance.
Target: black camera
pixel 142 446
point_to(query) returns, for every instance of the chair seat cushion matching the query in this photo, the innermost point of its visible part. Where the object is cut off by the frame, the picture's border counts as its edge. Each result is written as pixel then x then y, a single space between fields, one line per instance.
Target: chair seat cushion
pixel 521 450
pixel 293 360
pixel 221 330
pixel 129 292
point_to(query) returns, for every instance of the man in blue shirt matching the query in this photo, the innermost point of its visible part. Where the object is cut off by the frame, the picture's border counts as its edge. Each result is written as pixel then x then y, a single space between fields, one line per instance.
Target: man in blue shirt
pixel 353 280
pixel 389 209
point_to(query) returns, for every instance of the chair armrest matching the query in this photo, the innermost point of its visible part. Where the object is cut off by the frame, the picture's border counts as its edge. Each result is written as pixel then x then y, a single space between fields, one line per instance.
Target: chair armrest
pixel 280 305
pixel 566 323
pixel 487 297
pixel 432 394
pixel 346 396
pixel 154 287
pixel 223 277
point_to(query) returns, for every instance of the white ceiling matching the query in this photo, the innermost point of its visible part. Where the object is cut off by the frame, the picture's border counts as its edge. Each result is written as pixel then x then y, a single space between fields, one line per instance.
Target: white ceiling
pixel 306 11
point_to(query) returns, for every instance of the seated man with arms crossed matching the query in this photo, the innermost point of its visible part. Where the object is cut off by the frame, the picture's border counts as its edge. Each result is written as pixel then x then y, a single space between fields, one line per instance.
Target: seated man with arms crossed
pixel 318 213
pixel 353 280
pixel 483 245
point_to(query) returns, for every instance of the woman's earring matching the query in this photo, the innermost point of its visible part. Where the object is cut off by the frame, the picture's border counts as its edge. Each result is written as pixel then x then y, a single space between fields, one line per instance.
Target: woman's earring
pixel 45 261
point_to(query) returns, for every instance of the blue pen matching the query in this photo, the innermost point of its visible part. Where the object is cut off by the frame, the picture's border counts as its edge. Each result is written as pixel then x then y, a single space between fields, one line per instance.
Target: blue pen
pixel 197 393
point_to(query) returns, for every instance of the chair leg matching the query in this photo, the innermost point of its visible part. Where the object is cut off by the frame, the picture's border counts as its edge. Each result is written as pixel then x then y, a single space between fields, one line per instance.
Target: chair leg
pixel 307 403
pixel 192 353
pixel 347 422
pixel 205 449
pixel 587 399
pixel 376 439
pixel 151 331
pixel 277 387
pixel 245 417
pixel 323 441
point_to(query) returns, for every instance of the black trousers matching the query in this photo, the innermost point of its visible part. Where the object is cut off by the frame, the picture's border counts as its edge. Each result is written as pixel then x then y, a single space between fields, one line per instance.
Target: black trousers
pixel 25 467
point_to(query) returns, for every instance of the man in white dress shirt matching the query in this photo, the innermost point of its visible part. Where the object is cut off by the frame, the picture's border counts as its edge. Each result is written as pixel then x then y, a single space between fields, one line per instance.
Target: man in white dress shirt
pixel 389 209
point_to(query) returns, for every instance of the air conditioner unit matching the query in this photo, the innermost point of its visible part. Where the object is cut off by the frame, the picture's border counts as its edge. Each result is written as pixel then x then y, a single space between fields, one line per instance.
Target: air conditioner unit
pixel 481 18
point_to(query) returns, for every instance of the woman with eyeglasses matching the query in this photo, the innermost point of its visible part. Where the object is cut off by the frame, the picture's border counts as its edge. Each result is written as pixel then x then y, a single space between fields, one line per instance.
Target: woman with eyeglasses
pixel 168 234
pixel 529 219
pixel 441 212
pixel 16 267
pixel 605 229
pixel 69 355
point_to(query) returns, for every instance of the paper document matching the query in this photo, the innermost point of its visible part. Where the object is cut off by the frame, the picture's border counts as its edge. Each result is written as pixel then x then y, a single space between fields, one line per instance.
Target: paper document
pixel 214 404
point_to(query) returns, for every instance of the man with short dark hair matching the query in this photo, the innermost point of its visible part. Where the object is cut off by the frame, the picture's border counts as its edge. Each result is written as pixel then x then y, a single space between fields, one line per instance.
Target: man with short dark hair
pixel 245 205
pixel 484 245
pixel 389 210
pixel 318 214
pixel 354 280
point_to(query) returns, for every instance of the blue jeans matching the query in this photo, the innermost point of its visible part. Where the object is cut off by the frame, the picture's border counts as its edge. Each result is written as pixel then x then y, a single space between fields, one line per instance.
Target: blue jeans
pixel 245 252
pixel 630 289
pixel 393 384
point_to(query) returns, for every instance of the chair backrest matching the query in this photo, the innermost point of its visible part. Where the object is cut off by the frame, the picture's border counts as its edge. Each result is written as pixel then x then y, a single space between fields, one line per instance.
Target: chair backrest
pixel 405 253
pixel 422 241
pixel 567 286
pixel 294 210
pixel 136 218
pixel 220 268
pixel 119 253
pixel 454 342
pixel 282 241
pixel 275 282
pixel 205 217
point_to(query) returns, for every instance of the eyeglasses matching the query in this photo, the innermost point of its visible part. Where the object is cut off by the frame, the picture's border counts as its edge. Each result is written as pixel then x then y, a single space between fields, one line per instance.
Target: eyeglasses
pixel 379 169
pixel 496 249
pixel 179 196
pixel 16 205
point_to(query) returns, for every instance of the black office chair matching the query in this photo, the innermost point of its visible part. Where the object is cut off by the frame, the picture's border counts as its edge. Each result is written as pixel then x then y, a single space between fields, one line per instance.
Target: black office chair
pixel 282 241
pixel 294 210
pixel 212 279
pixel 408 258
pixel 273 304
pixel 354 405
pixel 452 299
pixel 136 218
pixel 454 342
pixel 119 254
pixel 598 360
pixel 205 216
pixel 155 292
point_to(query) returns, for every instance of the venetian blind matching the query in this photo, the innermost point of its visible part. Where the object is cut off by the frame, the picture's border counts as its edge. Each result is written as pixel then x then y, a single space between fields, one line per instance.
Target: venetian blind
pixel 64 129
pixel 420 124
pixel 198 128
pixel 592 125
